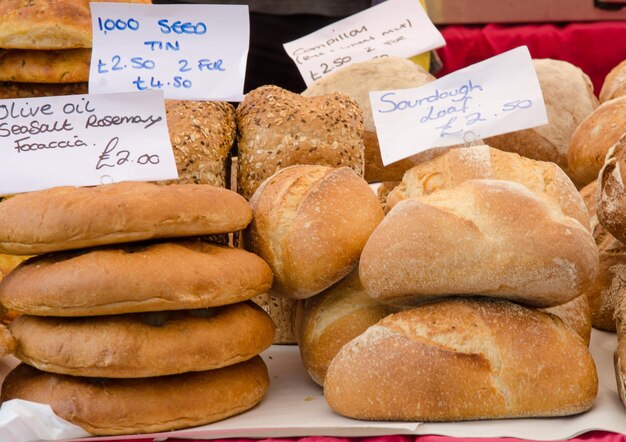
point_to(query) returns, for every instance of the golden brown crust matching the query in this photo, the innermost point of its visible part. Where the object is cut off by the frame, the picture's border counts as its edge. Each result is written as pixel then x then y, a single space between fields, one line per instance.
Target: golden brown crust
pixel 47 24
pixel 28 90
pixel 134 345
pixel 310 224
pixel 26 66
pixel 134 278
pixel 7 341
pixel 64 218
pixel 462 359
pixel 202 134
pixel 576 315
pixel 614 84
pixel 482 237
pixel 126 406
pixel 611 200
pixel 277 128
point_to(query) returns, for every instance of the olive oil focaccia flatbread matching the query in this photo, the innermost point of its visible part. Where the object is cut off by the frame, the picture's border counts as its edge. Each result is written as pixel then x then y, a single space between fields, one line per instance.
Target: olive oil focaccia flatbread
pixel 29 90
pixel 26 66
pixel 47 24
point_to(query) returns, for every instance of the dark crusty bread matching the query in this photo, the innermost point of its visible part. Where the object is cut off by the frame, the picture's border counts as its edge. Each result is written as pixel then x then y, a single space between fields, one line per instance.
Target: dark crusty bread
pixel 481 237
pixel 64 218
pixel 128 406
pixel 134 278
pixel 25 66
pixel 310 224
pixel 143 344
pixel 202 134
pixel 277 128
pixel 463 359
pixel 614 84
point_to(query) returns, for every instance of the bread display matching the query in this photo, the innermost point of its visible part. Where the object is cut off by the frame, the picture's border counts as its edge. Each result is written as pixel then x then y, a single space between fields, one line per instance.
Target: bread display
pixel 310 224
pixel 614 84
pixel 593 138
pixel 277 129
pixel 462 359
pixel 356 81
pixel 63 218
pixel 569 99
pixel 127 406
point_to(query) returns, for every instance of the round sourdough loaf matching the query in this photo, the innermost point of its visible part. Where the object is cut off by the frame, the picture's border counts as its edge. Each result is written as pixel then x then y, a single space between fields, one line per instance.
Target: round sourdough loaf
pixel 569 99
pixel 481 237
pixel 134 278
pixel 611 196
pixel 64 218
pixel 615 83
pixel 325 322
pixel 310 224
pixel 143 344
pixel 462 359
pixel 125 406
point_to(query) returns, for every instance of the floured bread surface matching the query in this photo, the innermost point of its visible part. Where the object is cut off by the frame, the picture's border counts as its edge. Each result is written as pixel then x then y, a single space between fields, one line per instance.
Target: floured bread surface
pixel 107 407
pixel 614 84
pixel 138 345
pixel 25 66
pixel 481 237
pixel 134 278
pixel 47 24
pixel 64 218
pixel 459 360
pixel 611 196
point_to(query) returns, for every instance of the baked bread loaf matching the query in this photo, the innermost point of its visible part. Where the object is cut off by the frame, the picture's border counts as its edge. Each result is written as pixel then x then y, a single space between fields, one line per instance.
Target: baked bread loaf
pixel 134 278
pixel 609 285
pixel 459 360
pixel 611 196
pixel 7 341
pixel 25 66
pixel 143 344
pixel 325 322
pixel 277 128
pixel 569 99
pixel 594 137
pixel 356 81
pixel 614 84
pixel 63 218
pixel 202 134
pixel 127 406
pixel 282 311
pixel 28 90
pixel 310 224
pixel 545 180
pixel 619 357
pixel 576 315
pixel 47 24
pixel 481 237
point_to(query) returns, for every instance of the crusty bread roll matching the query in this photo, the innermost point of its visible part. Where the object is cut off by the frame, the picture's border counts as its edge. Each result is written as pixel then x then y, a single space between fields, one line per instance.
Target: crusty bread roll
pixel 47 24
pixel 569 99
pixel 25 66
pixel 545 180
pixel 576 315
pixel 134 278
pixel 143 344
pixel 325 322
pixel 282 311
pixel 462 359
pixel 127 406
pixel 593 138
pixel 481 237
pixel 609 285
pixel 356 81
pixel 202 134
pixel 611 196
pixel 614 83
pixel 310 224
pixel 63 218
pixel 28 90
pixel 277 128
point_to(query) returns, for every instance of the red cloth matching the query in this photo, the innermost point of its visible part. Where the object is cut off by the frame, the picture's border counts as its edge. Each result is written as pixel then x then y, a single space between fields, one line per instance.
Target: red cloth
pixel 594 47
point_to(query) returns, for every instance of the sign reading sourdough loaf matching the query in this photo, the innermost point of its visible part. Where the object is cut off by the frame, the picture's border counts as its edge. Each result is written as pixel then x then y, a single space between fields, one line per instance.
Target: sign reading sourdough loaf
pixel 496 96
pixel 191 52
pixel 82 140
pixel 394 27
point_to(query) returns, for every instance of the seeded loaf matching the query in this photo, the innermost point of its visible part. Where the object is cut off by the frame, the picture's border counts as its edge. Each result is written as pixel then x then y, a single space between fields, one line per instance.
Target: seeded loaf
pixel 28 90
pixel 26 66
pixel 282 311
pixel 614 84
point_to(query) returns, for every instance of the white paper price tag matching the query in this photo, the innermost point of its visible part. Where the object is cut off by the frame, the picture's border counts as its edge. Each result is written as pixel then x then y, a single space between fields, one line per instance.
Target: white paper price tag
pixel 496 96
pixel 191 52
pixel 83 140
pixel 394 27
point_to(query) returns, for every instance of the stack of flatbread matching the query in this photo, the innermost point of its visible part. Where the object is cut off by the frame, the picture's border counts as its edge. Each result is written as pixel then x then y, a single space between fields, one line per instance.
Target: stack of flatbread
pixel 45 47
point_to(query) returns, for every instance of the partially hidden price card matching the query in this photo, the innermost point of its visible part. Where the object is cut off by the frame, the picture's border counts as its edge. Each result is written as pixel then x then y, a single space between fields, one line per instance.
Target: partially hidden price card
pixel 496 96
pixel 394 27
pixel 191 52
pixel 83 140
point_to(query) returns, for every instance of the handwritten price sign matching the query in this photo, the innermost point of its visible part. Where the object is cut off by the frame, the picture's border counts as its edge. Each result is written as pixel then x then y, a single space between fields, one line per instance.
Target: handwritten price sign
pixel 82 140
pixel 193 52
pixel 496 96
